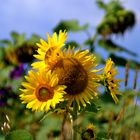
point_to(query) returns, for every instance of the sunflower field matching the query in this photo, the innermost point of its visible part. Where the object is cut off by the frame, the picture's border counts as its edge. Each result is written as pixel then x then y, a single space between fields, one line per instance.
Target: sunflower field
pixel 58 89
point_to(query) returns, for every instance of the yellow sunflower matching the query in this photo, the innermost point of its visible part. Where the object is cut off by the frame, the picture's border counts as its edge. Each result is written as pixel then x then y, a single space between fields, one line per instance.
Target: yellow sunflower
pixel 49 49
pixel 41 91
pixel 75 70
pixel 110 82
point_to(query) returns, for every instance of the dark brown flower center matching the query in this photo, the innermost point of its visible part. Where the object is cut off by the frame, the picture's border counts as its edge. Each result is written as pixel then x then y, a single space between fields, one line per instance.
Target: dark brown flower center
pixel 72 74
pixel 44 93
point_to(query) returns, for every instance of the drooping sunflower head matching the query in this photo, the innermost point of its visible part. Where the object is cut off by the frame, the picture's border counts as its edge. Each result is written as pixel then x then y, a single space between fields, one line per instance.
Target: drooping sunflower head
pixel 41 92
pixel 48 50
pixel 76 71
pixel 110 82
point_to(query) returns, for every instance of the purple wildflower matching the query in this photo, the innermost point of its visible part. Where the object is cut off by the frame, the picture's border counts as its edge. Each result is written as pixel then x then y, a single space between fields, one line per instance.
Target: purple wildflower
pixel 17 72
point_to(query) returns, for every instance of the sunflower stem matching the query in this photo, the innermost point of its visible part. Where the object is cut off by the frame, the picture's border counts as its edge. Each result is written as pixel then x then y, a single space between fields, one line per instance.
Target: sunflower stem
pixel 74 117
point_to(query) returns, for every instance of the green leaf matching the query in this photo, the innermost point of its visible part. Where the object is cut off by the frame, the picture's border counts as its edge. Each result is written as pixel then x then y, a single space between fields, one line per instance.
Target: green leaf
pixel 118 60
pixel 99 58
pixel 4 73
pixel 111 6
pixel 101 4
pixel 106 97
pixel 34 39
pixel 71 25
pixel 121 61
pixel 14 36
pixel 102 135
pixel 72 44
pixel 2 53
pixel 19 135
pixel 111 46
pixel 90 43
pixel 92 107
pixel 5 41
pixel 20 40
pixel 114 6
pixel 61 105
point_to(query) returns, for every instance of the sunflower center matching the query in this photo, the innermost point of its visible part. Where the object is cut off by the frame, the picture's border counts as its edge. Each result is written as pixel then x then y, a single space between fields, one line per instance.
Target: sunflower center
pixel 44 93
pixel 48 54
pixel 72 74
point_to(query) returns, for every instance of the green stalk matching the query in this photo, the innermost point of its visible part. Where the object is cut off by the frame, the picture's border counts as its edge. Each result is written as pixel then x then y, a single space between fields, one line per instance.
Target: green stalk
pixel 73 120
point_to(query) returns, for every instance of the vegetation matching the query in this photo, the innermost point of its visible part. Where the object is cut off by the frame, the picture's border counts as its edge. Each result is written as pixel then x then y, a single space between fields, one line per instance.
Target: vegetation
pixel 82 116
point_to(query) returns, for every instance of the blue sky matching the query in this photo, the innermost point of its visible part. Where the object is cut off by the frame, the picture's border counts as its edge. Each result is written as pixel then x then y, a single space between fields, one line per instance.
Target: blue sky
pixel 41 16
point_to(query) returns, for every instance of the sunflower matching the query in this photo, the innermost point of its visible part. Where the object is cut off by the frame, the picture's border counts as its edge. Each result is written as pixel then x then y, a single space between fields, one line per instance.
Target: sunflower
pixel 89 133
pixel 49 49
pixel 41 91
pixel 111 84
pixel 75 70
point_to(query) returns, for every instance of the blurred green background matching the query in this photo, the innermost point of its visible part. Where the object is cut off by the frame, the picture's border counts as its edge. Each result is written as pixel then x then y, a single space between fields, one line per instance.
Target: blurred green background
pixel 106 28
